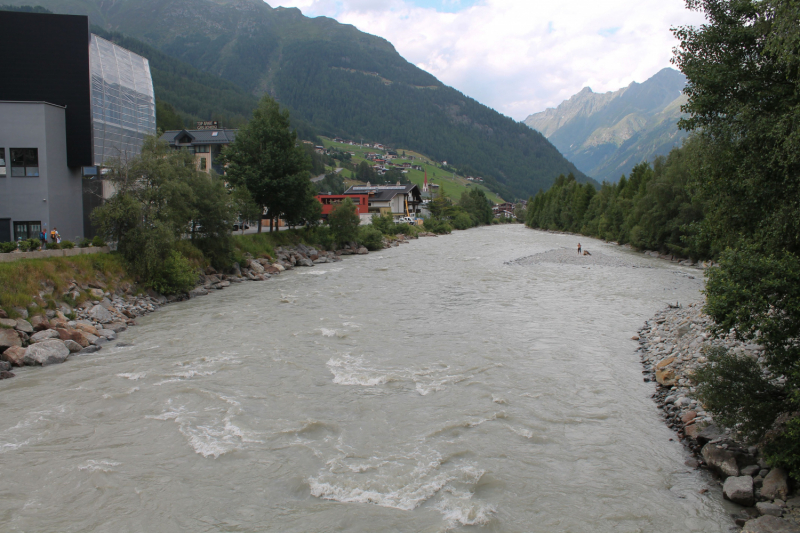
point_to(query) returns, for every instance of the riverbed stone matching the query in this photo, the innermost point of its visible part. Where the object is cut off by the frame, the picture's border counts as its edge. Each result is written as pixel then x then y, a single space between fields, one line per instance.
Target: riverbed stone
pixel 89 349
pixel 739 489
pixel 86 326
pixel 47 352
pixel 767 508
pixel 44 335
pixel 776 485
pixel 116 327
pixel 100 314
pixel 666 377
pixel 96 294
pixel 24 326
pixel 198 291
pixel 721 460
pixel 73 346
pixel 8 322
pixel 9 338
pixel 107 333
pixel 5 366
pixel 769 524
pixel 14 355
pixel 256 267
pixel 40 323
pixel 750 470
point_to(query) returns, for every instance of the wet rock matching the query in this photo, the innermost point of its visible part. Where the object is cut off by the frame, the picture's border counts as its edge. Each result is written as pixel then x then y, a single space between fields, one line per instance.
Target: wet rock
pixel 73 346
pixel 362 251
pixel 721 460
pixel 24 326
pixel 199 291
pixel 45 335
pixel 709 433
pixel 9 338
pixel 769 524
pixel 766 508
pixel 100 314
pixel 107 333
pixel 5 374
pixel 117 327
pixel 88 350
pixel 750 470
pixel 14 356
pixel 47 352
pixel 776 485
pixel 739 489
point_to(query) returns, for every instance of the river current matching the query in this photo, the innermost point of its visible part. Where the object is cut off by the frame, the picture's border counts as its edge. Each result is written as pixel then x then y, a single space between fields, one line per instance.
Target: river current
pixel 437 386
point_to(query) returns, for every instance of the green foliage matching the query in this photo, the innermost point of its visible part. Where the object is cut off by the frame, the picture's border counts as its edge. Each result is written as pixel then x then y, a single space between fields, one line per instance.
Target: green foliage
pixel 744 104
pixel 84 243
pixel 98 241
pixel 167 118
pixel 783 449
pixel 653 208
pixel 477 206
pixel 735 388
pixel 175 276
pixel 332 183
pixel 266 159
pixel 53 246
pixel 371 237
pixel 67 245
pixel 462 221
pixel 385 224
pixel 438 226
pixel 7 247
pixel 344 221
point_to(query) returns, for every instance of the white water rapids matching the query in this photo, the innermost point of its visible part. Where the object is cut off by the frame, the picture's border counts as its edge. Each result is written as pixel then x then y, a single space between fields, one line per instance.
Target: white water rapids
pixel 425 388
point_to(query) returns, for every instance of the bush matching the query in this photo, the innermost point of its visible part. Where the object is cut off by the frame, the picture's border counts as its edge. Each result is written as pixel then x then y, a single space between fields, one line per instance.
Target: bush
pixel 344 222
pixel 53 246
pixel 462 221
pixel 437 226
pixel 324 238
pixel 98 241
pixel 370 237
pixel 85 243
pixel 385 224
pixel 7 247
pixel 176 275
pixel 67 245
pixel 30 245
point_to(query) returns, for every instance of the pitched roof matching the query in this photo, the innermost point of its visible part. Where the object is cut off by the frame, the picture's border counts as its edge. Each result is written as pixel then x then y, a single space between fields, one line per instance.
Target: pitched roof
pixel 221 136
pixel 384 193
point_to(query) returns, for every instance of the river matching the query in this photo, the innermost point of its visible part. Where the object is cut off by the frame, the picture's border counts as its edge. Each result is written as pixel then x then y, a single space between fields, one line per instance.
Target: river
pixel 432 387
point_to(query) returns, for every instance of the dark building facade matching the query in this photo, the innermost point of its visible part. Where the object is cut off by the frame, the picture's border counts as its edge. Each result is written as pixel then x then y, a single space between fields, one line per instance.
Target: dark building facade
pixel 51 64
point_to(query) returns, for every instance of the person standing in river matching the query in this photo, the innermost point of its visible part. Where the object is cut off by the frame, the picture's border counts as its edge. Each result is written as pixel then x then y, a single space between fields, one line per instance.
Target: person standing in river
pixel 579 248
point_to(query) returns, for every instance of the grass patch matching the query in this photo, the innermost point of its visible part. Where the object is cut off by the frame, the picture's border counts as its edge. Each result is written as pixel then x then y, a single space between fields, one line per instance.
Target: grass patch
pixel 22 280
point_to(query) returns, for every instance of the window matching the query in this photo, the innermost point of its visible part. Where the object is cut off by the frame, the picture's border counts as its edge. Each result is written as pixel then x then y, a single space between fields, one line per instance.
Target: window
pixel 2 162
pixel 25 162
pixel 203 163
pixel 202 149
pixel 26 230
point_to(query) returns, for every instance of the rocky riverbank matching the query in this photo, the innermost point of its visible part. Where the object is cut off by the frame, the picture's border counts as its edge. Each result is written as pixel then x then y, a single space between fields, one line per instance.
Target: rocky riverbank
pixel 109 308
pixel 673 344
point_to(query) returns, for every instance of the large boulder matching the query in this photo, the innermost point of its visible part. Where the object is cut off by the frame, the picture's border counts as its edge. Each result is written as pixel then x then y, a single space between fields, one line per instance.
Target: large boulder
pixel 14 355
pixel 256 267
pixel 117 327
pixel 107 333
pixel 768 508
pixel 198 291
pixel 73 346
pixel 9 338
pixel 721 460
pixel 769 524
pixel 40 323
pixel 776 485
pixel 8 322
pixel 44 335
pixel 24 326
pixel 48 352
pixel 96 294
pixel 362 251
pixel 100 314
pixel 739 489
pixel 86 326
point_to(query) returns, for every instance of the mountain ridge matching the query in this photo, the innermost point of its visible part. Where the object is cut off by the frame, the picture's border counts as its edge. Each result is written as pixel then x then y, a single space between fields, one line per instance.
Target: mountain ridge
pixel 607 134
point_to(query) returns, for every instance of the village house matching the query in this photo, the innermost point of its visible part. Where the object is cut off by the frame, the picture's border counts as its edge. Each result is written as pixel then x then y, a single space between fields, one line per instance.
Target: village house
pixel 395 200
pixel 360 201
pixel 206 145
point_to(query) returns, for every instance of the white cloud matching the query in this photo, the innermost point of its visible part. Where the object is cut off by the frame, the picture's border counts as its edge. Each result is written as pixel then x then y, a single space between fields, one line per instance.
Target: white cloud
pixel 521 56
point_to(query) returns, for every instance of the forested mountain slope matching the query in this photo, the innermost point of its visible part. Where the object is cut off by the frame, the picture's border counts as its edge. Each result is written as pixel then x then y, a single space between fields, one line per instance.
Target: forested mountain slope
pixel 341 81
pixel 606 135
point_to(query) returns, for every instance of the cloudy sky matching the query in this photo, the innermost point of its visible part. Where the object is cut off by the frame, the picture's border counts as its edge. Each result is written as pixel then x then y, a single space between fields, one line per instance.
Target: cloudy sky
pixel 520 56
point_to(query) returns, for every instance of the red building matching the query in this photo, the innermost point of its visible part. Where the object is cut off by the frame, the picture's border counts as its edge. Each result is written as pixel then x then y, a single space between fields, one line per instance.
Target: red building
pixel 329 201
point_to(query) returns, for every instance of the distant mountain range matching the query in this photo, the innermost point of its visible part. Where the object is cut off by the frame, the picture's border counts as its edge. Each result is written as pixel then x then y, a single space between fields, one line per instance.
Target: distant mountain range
pixel 606 135
pixel 333 77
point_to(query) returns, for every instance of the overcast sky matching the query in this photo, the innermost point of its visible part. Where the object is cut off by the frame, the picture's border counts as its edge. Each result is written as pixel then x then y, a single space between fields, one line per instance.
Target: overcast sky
pixel 520 56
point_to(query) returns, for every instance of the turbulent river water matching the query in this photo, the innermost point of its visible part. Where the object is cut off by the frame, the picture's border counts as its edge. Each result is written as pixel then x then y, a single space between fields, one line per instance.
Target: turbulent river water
pixel 437 386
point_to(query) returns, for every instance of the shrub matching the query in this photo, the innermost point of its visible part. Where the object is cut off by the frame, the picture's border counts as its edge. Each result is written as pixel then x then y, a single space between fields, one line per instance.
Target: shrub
pixel 175 275
pixel 67 245
pixel 370 237
pixel 385 224
pixel 98 241
pixel 437 226
pixel 53 246
pixel 325 238
pixel 7 247
pixel 344 222
pixel 462 221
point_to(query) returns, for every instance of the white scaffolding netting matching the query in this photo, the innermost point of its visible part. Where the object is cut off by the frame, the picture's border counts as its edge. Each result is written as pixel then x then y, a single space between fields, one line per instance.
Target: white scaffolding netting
pixel 123 101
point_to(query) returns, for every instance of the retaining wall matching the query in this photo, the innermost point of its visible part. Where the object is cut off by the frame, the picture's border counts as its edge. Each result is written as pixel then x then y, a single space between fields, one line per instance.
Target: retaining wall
pixel 16 256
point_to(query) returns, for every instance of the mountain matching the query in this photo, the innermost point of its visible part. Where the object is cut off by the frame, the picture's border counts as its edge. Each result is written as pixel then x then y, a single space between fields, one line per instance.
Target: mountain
pixel 341 81
pixel 606 135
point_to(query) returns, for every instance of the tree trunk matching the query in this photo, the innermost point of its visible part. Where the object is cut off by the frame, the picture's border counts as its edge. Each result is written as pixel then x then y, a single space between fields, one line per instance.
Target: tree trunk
pixel 260 216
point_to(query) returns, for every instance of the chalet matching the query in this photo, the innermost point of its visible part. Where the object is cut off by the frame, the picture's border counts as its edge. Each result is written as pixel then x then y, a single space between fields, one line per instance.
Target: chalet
pixel 395 200
pixel 330 201
pixel 338 140
pixel 506 206
pixel 504 214
pixel 406 165
pixel 205 144
pixel 416 167
pixel 319 149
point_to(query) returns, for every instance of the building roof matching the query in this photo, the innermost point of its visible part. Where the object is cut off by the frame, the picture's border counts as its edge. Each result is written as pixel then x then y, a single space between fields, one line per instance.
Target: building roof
pixel 221 136
pixel 384 193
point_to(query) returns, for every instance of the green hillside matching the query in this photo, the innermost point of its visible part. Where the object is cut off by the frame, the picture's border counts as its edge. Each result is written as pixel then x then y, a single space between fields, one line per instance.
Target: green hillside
pixel 337 79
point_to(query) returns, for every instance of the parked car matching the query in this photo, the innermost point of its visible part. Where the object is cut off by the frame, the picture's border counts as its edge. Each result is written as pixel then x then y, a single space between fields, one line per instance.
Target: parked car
pixel 406 220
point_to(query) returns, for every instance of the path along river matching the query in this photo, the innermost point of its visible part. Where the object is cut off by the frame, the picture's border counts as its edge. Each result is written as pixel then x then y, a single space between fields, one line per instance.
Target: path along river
pixel 424 388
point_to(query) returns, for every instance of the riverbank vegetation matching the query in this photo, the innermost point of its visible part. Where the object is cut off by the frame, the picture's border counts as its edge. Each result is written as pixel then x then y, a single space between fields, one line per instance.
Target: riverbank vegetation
pixel 730 193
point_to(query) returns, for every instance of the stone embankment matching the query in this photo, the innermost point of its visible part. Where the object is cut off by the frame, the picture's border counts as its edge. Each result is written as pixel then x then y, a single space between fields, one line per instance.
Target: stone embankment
pixel 52 337
pixel 673 345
